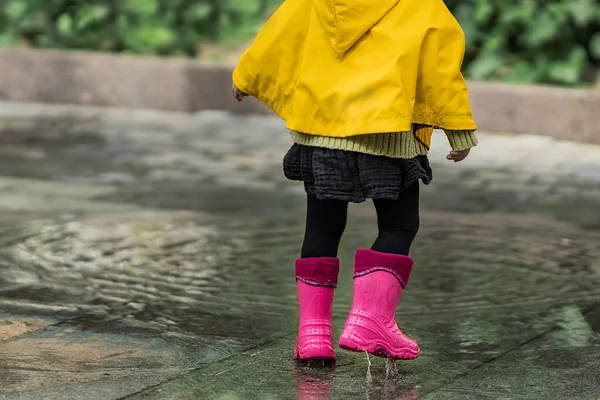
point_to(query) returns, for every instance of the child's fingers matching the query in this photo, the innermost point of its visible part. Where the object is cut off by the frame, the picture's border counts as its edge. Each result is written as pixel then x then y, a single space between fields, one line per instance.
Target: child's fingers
pixel 457 156
pixel 236 93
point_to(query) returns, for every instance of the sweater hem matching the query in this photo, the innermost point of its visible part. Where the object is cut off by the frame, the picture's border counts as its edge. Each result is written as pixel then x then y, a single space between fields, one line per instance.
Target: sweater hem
pixel 410 147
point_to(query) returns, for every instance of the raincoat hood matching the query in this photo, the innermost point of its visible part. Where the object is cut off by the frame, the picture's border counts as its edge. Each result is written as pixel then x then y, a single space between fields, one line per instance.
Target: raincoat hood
pixel 346 21
pixel 342 68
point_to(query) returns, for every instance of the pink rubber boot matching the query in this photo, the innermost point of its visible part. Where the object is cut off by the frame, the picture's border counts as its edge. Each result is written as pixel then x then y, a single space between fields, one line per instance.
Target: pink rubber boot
pixel 316 278
pixel 379 279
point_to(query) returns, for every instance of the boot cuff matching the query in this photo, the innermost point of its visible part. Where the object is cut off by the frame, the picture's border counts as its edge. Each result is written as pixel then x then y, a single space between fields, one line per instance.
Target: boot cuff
pixel 367 261
pixel 318 271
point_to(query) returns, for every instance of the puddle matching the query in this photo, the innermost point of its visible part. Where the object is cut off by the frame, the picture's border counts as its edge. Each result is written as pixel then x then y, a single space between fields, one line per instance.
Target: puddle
pixel 205 282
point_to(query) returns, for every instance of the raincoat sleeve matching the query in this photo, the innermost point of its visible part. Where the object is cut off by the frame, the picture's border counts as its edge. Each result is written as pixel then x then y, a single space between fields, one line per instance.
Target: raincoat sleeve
pixel 267 69
pixel 442 95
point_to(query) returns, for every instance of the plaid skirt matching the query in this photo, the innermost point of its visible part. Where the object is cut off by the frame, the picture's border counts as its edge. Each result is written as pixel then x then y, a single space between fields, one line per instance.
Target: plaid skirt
pixel 353 177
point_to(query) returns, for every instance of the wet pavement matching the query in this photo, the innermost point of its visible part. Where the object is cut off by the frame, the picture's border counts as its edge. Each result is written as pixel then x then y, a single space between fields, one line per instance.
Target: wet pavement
pixel 149 255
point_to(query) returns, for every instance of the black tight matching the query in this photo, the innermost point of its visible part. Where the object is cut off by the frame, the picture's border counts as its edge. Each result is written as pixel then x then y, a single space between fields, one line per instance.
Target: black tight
pixel 398 222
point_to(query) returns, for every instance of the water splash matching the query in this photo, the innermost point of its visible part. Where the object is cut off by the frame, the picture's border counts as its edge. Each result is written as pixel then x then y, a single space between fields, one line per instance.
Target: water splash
pixel 369 376
pixel 391 370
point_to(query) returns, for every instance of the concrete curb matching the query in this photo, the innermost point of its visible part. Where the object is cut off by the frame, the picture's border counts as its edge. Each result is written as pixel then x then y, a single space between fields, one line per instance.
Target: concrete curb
pixel 184 85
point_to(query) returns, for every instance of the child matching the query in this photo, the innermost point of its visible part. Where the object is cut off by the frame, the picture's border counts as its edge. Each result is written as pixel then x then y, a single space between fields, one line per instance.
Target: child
pixel 360 84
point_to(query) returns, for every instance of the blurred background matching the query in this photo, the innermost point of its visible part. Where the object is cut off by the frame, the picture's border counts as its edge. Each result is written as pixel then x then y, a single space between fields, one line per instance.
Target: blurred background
pixel 148 235
pixel 525 41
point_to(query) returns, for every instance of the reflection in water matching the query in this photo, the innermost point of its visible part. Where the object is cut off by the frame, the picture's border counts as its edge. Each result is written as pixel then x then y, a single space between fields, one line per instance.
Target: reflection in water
pixel 313 380
pixel 392 388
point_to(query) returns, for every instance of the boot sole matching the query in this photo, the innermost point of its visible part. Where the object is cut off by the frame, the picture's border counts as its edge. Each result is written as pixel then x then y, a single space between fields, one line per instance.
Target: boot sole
pixel 381 351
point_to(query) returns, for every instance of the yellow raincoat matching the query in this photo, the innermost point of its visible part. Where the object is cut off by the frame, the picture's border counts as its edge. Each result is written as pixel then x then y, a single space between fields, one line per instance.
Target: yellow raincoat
pixel 341 68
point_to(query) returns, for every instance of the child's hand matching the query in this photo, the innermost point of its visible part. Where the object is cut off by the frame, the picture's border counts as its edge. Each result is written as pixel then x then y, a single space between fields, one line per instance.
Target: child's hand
pixel 458 156
pixel 237 94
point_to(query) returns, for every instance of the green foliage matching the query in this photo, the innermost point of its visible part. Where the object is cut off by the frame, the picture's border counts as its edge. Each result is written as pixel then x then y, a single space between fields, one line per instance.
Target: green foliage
pixel 544 41
pixel 164 27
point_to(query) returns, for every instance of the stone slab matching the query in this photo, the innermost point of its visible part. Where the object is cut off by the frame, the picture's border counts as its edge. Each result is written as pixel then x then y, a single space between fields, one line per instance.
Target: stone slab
pixel 66 363
pixel 12 327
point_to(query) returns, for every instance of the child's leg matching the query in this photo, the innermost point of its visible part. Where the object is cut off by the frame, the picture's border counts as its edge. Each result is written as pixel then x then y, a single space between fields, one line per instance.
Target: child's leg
pixel 398 222
pixel 316 275
pixel 325 224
